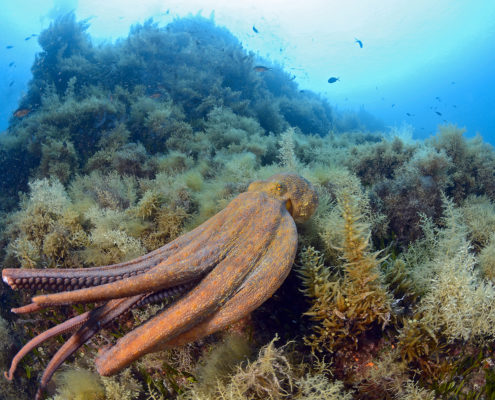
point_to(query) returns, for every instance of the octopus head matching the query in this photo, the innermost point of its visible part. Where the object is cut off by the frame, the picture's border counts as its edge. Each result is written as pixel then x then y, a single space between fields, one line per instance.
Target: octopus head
pixel 297 193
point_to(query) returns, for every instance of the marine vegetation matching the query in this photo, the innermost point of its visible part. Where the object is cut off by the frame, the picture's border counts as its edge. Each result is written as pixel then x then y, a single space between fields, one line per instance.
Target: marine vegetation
pixel 123 148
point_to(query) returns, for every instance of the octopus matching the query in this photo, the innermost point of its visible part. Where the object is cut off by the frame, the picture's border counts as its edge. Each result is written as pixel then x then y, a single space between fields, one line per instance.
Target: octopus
pixel 216 274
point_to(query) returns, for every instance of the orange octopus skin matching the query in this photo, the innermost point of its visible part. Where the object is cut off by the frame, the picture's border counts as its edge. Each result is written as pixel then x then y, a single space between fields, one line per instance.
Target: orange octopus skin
pixel 223 270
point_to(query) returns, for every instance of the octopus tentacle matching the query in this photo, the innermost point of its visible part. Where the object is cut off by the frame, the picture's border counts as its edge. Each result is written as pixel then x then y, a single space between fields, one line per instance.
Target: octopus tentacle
pixel 67 326
pixel 193 260
pixel 204 300
pixel 77 321
pixel 28 308
pixel 267 276
pixel 98 318
pixel 66 279
pixel 58 279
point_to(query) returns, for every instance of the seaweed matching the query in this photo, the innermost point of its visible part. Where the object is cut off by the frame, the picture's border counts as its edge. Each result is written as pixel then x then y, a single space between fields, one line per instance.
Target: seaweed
pixel 345 307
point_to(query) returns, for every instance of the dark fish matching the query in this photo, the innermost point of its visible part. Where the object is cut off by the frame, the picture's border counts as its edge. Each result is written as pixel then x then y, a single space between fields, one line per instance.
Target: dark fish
pixel 359 42
pixel 410 115
pixel 34 34
pixel 21 112
pixel 261 68
pixel 29 37
pixel 333 79
pixel 393 105
pixel 452 83
pixel 101 121
pixel 438 98
pixel 438 113
pixel 11 63
pixel 255 30
pixel 9 47
pixel 11 83
pixel 453 105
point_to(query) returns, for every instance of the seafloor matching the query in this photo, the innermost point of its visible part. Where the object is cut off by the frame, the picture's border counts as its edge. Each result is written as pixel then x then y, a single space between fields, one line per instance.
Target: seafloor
pixel 118 149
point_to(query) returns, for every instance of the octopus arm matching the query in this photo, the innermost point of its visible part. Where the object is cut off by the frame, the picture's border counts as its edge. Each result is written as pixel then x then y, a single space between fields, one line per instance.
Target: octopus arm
pixel 192 259
pixel 59 279
pixel 98 318
pixel 212 293
pixel 105 315
pixel 258 287
pixel 67 326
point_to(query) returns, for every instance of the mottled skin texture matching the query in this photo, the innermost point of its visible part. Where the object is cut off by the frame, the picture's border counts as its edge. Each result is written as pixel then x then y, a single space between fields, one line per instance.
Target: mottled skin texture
pixel 223 270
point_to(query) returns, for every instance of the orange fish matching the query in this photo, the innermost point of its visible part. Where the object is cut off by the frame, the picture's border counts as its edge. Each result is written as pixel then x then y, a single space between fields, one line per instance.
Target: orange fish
pixel 21 112
pixel 155 96
pixel 261 68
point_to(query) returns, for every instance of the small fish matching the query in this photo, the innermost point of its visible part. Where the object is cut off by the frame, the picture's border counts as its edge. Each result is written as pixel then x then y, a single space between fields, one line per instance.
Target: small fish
pixel 21 112
pixel 359 42
pixel 333 79
pixel 102 120
pixel 155 96
pixel 11 83
pixel 11 63
pixel 393 105
pixel 438 98
pixel 9 47
pixel 27 38
pixel 261 68
pixel 453 105
pixel 410 115
pixel 452 83
pixel 438 113
pixel 255 30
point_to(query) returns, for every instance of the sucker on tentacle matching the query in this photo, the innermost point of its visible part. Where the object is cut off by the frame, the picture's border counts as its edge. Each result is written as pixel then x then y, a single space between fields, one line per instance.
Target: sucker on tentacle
pixel 57 280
